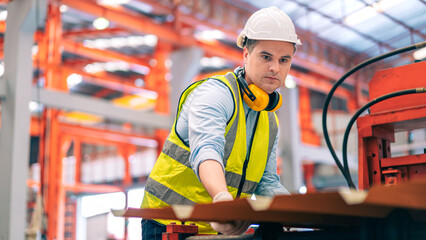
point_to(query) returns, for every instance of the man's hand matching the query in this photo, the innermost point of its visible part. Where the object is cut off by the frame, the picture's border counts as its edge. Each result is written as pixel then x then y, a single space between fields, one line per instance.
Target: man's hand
pixel 232 228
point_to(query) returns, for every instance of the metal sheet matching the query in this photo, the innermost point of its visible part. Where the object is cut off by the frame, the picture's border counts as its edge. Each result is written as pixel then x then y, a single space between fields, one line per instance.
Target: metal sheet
pixel 344 208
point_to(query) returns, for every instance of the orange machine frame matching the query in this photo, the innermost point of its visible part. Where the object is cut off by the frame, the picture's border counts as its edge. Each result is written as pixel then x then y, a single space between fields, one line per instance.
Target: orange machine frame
pixel 376 130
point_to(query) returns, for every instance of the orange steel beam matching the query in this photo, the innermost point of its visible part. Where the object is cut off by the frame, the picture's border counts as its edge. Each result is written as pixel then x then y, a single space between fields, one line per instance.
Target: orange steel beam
pixel 49 50
pixel 105 135
pixel 146 25
pixel 205 13
pixel 90 134
pixel 2 26
pixel 94 32
pixel 78 158
pixel 106 80
pixel 135 22
pixel 64 143
pixel 82 188
pixel 308 81
pixel 126 151
pixel 92 188
pixel 308 134
pixel 157 81
pixel 54 167
pixel 102 55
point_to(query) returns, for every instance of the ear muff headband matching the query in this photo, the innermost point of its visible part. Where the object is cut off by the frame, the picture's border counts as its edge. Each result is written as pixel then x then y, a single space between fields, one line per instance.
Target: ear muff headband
pixel 255 97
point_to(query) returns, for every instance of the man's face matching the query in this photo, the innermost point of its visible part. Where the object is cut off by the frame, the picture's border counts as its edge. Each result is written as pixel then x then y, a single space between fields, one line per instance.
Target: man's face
pixel 268 64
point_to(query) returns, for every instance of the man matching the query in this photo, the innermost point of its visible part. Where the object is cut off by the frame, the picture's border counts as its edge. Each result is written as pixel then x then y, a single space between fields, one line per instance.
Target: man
pixel 224 139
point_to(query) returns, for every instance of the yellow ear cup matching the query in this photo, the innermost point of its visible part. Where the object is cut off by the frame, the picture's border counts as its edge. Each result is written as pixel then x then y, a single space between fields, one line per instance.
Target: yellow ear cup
pixel 280 102
pixel 261 101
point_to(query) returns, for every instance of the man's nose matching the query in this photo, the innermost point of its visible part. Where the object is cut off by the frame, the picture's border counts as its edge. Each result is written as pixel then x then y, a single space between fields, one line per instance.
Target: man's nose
pixel 274 67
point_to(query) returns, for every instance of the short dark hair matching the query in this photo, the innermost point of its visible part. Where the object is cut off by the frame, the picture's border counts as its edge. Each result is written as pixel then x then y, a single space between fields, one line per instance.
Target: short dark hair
pixel 250 43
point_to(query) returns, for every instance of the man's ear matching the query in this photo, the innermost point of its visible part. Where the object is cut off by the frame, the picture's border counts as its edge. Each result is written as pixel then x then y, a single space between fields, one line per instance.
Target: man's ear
pixel 245 54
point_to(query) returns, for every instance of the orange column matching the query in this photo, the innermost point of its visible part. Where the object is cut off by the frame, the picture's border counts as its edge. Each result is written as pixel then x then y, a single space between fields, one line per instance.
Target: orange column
pixel 78 158
pixel 308 134
pixel 55 198
pixel 125 151
pixel 157 81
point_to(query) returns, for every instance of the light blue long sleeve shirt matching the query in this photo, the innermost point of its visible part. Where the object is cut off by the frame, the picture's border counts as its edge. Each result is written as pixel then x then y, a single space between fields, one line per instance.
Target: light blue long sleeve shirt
pixel 201 125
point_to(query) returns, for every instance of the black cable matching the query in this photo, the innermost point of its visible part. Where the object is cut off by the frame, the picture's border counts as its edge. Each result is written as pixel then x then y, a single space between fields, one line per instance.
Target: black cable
pixel 345 169
pixel 360 111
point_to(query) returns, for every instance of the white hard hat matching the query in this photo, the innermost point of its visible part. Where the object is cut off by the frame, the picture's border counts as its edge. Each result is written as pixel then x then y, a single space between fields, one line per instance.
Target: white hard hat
pixel 269 24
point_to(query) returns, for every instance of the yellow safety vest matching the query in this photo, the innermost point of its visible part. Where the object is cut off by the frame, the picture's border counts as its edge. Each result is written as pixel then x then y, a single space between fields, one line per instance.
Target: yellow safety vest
pixel 172 181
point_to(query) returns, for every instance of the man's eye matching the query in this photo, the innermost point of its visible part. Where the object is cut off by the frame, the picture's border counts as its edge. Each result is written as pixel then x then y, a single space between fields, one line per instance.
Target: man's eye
pixel 284 60
pixel 266 57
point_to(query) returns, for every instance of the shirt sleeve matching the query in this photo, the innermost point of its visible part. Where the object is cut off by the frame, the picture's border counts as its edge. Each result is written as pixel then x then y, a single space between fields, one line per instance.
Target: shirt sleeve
pixel 270 184
pixel 209 107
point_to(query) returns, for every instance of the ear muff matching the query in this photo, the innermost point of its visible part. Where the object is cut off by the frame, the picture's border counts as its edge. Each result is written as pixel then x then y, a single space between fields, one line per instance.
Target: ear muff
pixel 260 102
pixel 275 102
pixel 256 98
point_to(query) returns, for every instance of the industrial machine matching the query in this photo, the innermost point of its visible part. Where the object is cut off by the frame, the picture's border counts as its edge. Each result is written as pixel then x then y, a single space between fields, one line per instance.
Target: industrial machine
pixel 391 202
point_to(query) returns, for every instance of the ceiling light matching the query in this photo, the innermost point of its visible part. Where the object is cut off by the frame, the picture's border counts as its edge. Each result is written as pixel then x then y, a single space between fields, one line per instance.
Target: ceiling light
pixel 360 16
pixel 63 8
pixel 151 40
pixel 289 82
pixel 139 82
pixel 120 42
pixel 420 54
pixel 34 50
pixel 1 69
pixel 209 35
pixel 3 15
pixel 73 80
pixel 101 23
pixel 370 11
pixel 213 62
pixel 112 2
pixel 34 106
pixel 135 41
pixel 383 5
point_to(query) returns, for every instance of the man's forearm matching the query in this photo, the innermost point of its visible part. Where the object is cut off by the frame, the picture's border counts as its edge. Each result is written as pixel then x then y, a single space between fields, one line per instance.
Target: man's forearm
pixel 212 177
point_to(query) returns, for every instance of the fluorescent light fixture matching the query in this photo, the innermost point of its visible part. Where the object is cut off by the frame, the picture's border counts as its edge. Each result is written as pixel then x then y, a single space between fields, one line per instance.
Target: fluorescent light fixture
pixel 383 5
pixel 213 62
pixel 1 69
pixel 360 16
pixel 209 35
pixel 112 2
pixel 147 94
pixel 135 41
pixel 370 11
pixel 3 15
pixel 34 106
pixel 151 40
pixel 115 66
pixel 120 42
pixel 139 82
pixel 143 6
pixel 73 80
pixel 290 82
pixel 101 23
pixel 63 8
pixel 420 54
pixel 34 50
